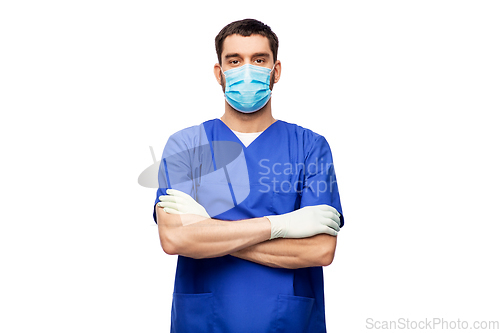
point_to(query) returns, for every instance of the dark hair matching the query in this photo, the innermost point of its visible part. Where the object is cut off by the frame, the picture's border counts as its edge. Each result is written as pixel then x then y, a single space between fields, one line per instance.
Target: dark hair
pixel 246 28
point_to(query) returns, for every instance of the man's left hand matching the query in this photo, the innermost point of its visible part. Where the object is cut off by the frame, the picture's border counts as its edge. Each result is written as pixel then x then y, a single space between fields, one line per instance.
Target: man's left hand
pixel 178 202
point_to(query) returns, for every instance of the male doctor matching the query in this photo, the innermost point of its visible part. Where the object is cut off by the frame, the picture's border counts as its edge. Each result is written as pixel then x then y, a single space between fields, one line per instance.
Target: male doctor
pixel 249 204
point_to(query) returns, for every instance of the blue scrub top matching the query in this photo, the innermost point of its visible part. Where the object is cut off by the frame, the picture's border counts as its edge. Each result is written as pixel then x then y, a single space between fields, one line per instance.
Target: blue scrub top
pixel 285 168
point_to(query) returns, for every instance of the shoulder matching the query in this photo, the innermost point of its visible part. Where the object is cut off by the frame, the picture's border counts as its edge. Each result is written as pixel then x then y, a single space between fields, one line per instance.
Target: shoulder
pixel 307 137
pixel 302 131
pixel 188 138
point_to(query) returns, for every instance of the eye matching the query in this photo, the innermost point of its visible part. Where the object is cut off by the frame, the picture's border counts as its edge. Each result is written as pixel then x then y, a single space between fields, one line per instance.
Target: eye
pixel 234 62
pixel 259 61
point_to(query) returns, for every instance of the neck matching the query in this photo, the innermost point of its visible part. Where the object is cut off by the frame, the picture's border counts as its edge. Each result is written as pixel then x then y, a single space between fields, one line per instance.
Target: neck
pixel 248 122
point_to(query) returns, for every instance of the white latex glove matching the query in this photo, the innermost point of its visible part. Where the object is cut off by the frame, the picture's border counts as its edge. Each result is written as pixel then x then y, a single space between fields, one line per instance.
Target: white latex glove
pixel 178 202
pixel 305 222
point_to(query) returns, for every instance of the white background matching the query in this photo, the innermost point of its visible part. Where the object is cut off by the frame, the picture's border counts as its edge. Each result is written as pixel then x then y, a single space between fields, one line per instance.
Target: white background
pixel 406 93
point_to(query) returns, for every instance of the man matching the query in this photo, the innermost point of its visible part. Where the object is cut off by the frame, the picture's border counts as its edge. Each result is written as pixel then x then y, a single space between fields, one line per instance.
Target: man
pixel 249 204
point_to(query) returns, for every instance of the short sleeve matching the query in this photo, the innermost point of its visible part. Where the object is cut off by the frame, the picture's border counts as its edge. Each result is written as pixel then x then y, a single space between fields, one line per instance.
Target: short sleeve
pixel 174 170
pixel 320 183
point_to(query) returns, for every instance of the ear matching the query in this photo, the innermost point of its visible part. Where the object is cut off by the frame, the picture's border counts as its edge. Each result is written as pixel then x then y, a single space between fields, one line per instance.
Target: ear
pixel 218 73
pixel 277 71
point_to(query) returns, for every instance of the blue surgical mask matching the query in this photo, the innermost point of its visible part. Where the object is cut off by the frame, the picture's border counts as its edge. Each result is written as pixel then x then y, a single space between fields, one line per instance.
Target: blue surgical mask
pixel 247 87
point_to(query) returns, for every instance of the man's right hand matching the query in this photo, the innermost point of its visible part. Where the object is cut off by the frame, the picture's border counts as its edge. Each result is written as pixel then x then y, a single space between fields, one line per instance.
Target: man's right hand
pixel 305 222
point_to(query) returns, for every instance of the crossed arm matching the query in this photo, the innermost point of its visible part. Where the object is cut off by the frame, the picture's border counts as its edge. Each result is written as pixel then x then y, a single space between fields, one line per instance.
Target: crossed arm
pixel 200 237
pixel 317 250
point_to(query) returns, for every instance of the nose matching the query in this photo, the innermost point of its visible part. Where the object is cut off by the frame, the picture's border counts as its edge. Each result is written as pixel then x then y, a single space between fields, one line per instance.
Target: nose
pixel 247 77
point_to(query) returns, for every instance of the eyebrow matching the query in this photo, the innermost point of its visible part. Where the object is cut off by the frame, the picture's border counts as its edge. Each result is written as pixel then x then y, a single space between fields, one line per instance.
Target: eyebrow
pixel 236 55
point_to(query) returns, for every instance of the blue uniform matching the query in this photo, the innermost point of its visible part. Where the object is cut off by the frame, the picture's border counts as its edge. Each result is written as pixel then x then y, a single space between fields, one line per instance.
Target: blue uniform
pixel 285 168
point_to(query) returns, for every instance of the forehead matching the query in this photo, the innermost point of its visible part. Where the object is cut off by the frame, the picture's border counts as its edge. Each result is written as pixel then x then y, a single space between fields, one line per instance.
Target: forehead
pixel 245 45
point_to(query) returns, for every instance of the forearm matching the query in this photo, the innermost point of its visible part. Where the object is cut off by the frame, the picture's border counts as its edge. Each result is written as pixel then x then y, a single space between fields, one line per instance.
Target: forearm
pixel 318 250
pixel 196 237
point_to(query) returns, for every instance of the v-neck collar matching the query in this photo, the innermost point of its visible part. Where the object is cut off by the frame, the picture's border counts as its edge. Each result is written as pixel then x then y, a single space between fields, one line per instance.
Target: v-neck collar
pixel 257 138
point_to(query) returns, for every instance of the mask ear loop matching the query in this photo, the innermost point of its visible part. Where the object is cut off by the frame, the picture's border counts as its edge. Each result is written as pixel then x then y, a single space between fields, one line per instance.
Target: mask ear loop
pixel 272 69
pixel 225 83
pixel 270 76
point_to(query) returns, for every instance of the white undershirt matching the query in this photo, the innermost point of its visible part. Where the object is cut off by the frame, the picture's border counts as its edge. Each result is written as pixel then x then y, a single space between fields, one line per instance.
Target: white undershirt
pixel 247 138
